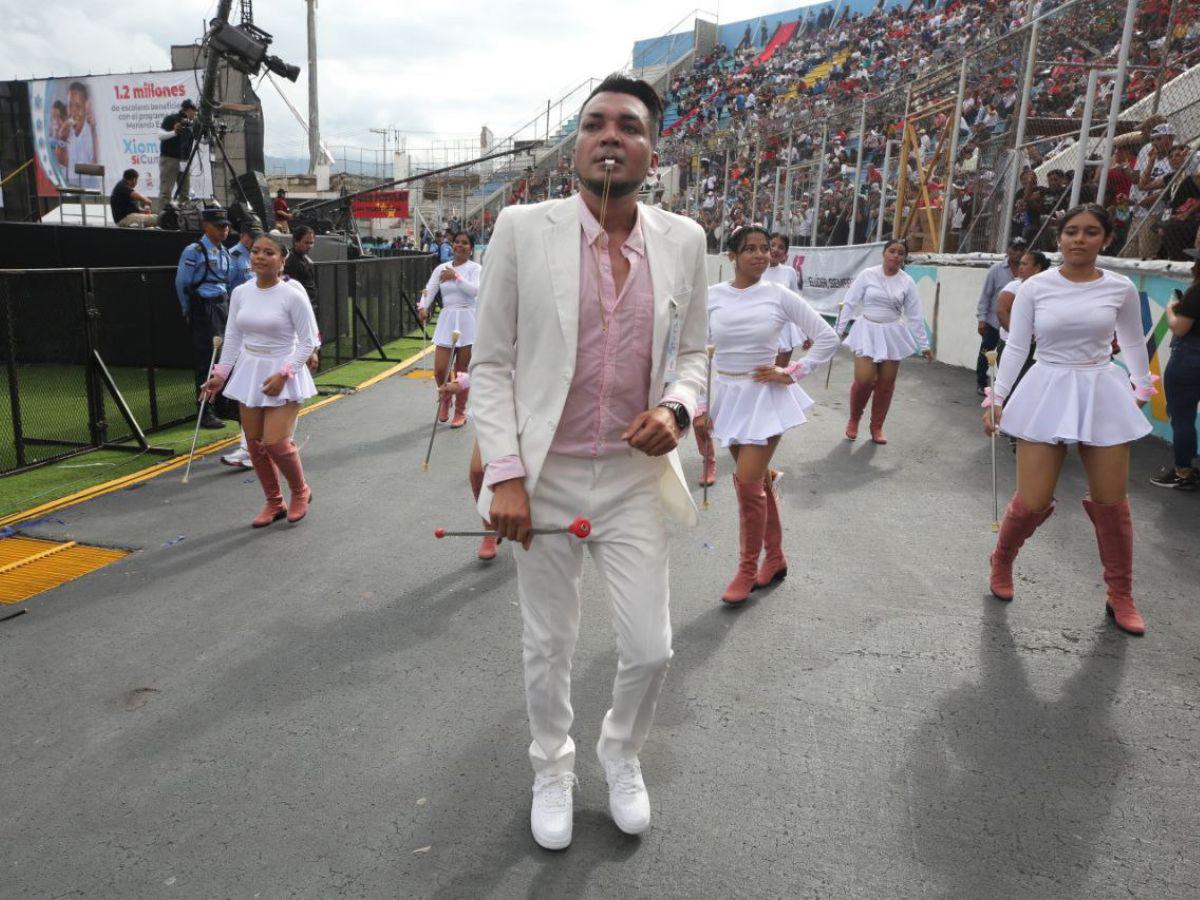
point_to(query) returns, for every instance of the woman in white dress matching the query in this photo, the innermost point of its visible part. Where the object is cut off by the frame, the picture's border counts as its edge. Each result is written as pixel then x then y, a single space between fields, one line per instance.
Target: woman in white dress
pixel 458 280
pixel 891 328
pixel 1031 264
pixel 754 401
pixel 1074 394
pixel 780 272
pixel 269 336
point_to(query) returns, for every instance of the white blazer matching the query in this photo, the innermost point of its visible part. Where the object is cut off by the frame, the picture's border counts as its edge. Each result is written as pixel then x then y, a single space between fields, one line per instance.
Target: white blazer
pixel 523 359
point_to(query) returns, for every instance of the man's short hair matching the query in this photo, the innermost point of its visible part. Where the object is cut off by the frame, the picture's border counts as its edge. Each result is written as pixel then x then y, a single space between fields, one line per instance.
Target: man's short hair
pixel 129 174
pixel 635 87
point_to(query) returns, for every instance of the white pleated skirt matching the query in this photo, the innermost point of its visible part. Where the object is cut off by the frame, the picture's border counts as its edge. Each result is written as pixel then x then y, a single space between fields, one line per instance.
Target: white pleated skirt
pixel 746 412
pixel 880 341
pixel 1074 405
pixel 791 337
pixel 252 369
pixel 458 319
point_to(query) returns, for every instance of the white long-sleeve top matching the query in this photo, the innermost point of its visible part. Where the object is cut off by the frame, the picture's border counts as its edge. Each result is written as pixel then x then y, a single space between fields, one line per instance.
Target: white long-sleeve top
pixel 1074 324
pixel 885 298
pixel 784 275
pixel 457 294
pixel 744 324
pixel 276 321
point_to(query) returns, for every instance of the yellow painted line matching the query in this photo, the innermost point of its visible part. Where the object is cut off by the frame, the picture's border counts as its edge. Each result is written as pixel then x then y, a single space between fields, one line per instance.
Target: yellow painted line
pixel 116 484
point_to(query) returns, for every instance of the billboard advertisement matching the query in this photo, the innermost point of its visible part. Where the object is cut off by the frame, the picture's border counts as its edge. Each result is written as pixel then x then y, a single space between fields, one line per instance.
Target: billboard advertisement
pixel 381 205
pixel 111 120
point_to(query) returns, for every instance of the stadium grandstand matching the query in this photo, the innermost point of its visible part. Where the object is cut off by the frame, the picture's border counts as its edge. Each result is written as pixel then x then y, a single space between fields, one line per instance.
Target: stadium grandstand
pixel 846 122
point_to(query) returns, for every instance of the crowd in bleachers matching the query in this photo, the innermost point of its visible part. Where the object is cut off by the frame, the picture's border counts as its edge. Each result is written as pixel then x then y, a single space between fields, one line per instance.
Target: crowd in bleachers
pixel 751 104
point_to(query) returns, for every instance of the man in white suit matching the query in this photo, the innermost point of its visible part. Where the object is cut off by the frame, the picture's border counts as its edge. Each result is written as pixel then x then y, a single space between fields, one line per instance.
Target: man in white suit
pixel 587 365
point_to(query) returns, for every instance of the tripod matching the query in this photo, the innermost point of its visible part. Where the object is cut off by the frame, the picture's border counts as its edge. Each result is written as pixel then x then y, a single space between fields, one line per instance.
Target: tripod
pixel 206 127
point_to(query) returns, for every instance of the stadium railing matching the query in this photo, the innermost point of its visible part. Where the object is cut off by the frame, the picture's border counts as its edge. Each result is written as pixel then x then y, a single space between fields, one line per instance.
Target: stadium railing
pixel 63 330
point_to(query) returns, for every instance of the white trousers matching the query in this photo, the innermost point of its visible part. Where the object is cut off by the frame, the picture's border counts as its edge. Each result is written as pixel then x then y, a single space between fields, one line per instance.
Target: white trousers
pixel 620 494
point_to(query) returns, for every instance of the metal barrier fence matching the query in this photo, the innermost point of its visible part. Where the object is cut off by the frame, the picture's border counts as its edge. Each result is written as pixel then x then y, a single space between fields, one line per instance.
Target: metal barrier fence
pixel 950 151
pixel 78 345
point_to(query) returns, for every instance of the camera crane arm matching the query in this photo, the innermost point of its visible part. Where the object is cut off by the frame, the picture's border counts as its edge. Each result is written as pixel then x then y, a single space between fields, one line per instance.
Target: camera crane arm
pixel 346 200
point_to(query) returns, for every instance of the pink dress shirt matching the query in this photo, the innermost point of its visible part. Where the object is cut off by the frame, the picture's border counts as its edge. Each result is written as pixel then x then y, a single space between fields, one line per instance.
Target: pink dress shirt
pixel 612 367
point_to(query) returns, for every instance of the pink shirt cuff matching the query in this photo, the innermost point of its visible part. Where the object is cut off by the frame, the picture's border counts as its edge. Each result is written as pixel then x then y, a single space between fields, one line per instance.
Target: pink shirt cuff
pixel 464 381
pixel 222 371
pixel 1145 392
pixel 676 398
pixel 506 468
pixel 797 370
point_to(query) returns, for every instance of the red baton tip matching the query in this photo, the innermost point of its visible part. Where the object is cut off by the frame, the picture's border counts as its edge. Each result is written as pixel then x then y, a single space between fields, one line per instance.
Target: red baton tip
pixel 581 528
pixel 439 533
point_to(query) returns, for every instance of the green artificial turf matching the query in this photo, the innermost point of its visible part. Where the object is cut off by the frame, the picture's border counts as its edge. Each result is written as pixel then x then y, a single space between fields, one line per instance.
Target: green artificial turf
pixel 54 407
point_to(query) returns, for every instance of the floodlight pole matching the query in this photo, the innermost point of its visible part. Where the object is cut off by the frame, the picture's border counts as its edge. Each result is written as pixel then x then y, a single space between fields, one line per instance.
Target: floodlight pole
pixel 314 129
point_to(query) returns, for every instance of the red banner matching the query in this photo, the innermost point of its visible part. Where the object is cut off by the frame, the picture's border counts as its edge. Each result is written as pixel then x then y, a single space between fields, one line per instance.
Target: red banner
pixel 381 205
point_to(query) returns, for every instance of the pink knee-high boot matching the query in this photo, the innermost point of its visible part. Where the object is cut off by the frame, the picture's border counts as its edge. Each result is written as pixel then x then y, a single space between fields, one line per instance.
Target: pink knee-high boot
pixel 879 409
pixel 444 401
pixel 859 394
pixel 460 409
pixel 1114 537
pixel 286 455
pixel 708 454
pixel 487 546
pixel 774 566
pixel 268 477
pixel 1019 523
pixel 752 516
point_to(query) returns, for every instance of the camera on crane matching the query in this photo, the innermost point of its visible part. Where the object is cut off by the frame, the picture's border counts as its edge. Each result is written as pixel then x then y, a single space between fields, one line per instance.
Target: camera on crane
pixel 244 47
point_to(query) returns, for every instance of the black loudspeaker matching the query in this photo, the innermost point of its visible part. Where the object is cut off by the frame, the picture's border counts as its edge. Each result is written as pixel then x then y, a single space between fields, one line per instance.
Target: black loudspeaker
pixel 254 185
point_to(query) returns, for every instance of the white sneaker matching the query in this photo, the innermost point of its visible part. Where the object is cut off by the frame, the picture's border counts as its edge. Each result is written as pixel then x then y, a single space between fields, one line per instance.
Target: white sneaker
pixel 628 800
pixel 239 459
pixel 550 819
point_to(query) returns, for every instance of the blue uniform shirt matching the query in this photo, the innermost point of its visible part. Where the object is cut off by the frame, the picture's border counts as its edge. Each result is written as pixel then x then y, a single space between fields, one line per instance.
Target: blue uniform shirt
pixel 445 252
pixel 206 268
pixel 240 257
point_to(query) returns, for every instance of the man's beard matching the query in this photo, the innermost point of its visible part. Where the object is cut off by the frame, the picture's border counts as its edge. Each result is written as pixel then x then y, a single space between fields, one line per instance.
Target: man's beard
pixel 615 188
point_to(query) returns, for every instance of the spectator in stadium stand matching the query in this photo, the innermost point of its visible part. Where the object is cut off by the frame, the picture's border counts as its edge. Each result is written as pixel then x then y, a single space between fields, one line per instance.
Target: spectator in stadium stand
pixel 445 248
pixel 1179 225
pixel 130 209
pixel 283 213
pixel 989 324
pixel 203 282
pixel 174 149
pixel 1152 161
pixel 1181 382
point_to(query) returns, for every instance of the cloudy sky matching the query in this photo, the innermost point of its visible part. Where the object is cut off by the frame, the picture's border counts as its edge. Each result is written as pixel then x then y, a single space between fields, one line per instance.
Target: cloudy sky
pixel 431 69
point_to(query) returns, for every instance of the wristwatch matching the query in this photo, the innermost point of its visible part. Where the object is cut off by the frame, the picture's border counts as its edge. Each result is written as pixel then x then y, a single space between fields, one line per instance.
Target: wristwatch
pixel 682 419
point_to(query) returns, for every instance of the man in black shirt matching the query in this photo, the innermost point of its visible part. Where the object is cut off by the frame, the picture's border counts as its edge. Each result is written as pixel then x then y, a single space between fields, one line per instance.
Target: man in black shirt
pixel 175 147
pixel 130 209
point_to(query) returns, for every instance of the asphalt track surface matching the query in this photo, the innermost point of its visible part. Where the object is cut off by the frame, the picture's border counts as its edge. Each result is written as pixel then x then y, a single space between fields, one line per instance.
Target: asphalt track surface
pixel 336 709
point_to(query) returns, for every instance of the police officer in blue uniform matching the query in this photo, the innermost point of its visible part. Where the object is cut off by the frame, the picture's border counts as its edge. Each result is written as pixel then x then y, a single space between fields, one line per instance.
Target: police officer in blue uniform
pixel 240 254
pixel 203 282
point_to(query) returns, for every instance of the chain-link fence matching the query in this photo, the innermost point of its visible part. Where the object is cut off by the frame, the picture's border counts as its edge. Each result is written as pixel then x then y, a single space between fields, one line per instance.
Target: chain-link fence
pixel 63 330
pixel 954 129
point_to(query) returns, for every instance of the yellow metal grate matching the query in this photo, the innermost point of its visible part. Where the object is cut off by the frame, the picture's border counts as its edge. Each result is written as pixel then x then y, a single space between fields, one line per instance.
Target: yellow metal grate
pixel 29 566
